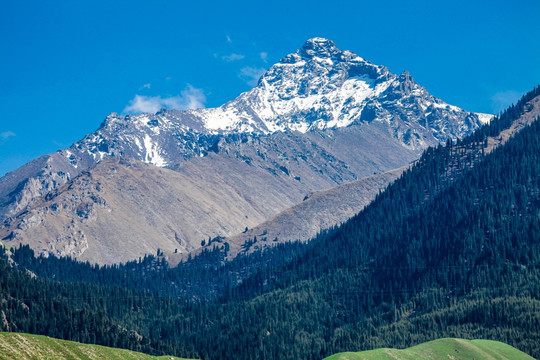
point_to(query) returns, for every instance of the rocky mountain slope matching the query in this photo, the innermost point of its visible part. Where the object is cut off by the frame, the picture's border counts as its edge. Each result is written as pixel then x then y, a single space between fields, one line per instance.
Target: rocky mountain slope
pixel 122 209
pixel 318 211
pixel 319 118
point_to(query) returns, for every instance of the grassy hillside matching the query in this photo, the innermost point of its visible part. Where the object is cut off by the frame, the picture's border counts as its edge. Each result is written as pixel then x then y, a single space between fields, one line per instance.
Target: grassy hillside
pixel 25 346
pixel 456 349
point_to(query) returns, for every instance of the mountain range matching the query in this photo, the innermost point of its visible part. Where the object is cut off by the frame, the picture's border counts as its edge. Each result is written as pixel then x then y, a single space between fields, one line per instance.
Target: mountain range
pixel 318 122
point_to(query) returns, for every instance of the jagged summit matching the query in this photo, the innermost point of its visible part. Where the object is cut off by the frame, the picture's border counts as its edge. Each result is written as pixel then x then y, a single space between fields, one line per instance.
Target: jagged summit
pixel 319 67
pixel 319 47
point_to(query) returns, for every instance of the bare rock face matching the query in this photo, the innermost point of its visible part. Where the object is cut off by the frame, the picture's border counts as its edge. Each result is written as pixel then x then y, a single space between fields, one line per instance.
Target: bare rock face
pixel 319 118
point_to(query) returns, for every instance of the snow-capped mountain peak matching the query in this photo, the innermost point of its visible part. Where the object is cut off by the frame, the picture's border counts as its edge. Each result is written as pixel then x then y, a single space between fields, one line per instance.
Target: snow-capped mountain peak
pixel 319 117
pixel 317 87
pixel 317 68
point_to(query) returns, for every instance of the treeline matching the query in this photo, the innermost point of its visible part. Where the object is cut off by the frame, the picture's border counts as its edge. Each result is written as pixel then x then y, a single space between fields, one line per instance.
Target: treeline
pixel 451 249
pixel 198 279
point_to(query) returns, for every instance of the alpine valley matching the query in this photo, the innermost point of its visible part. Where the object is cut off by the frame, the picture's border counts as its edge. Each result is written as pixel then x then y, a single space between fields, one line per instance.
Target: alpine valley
pixel 334 211
pixel 318 119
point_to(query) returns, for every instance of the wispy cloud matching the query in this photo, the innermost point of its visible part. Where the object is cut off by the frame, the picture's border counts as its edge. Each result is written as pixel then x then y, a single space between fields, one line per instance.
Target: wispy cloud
pixel 7 134
pixel 232 57
pixel 264 56
pixel 251 75
pixel 190 98
pixel 146 86
pixel 502 99
pixel 229 39
pixel 61 144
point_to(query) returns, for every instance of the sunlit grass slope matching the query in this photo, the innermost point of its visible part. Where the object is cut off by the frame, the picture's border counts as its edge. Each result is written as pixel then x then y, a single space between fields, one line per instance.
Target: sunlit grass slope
pixel 25 346
pixel 455 349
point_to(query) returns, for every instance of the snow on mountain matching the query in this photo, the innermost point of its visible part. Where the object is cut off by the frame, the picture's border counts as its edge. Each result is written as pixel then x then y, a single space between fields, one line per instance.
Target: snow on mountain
pixel 317 87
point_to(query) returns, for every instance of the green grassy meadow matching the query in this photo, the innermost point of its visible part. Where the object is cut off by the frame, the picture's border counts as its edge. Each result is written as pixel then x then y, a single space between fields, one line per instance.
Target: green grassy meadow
pixel 26 346
pixel 452 349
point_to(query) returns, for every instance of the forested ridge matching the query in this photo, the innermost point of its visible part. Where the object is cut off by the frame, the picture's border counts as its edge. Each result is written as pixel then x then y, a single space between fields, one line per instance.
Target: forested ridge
pixel 451 249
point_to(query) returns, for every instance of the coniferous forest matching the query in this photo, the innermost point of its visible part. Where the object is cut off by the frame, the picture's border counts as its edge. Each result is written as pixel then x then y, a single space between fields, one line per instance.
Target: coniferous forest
pixel 451 249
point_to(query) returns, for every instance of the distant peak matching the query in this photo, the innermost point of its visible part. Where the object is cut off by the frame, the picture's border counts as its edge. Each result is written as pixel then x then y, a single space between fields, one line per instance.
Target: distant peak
pixel 319 40
pixel 318 46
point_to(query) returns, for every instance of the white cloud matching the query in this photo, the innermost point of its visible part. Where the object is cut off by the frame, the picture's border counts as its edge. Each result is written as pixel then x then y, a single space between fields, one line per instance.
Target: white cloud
pixel 190 98
pixel 264 56
pixel 229 39
pixel 503 99
pixel 7 134
pixel 147 86
pixel 193 98
pixel 251 75
pixel 233 57
pixel 144 104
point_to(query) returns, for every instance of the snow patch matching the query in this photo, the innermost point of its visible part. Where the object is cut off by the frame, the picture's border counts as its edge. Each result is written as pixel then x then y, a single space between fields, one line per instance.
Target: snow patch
pixel 152 155
pixel 484 118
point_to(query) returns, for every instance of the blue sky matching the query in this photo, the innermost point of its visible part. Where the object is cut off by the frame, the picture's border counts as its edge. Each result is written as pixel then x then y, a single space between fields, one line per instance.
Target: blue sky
pixel 65 65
